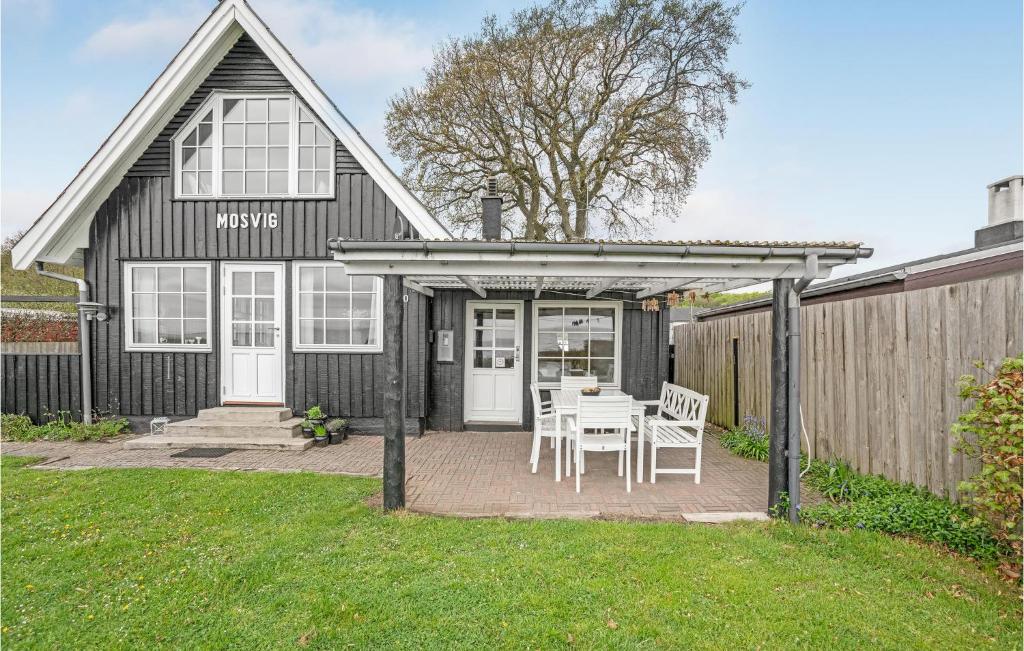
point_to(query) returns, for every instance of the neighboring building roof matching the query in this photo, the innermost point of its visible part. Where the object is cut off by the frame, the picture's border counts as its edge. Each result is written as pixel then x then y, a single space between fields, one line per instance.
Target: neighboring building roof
pixel 64 227
pixel 916 274
pixel 776 244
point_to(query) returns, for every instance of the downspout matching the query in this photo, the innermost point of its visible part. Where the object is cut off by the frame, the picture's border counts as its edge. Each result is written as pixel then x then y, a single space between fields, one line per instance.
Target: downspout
pixel 793 443
pixel 83 336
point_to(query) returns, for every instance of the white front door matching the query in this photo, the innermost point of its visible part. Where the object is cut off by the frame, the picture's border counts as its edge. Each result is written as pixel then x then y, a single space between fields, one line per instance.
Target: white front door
pixel 252 332
pixel 494 374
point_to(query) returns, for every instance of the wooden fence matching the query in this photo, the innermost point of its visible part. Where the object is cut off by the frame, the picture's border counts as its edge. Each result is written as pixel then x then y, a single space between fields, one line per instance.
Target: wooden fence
pixel 879 373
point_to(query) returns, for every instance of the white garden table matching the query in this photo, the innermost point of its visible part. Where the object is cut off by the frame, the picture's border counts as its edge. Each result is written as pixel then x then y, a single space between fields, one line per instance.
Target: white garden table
pixel 565 402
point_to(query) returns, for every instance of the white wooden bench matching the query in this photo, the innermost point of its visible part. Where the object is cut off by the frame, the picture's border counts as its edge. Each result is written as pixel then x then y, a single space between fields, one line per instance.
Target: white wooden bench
pixel 678 423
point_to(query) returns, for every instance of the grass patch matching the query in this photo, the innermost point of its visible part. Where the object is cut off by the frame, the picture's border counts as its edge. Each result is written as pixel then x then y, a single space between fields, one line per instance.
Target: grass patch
pixel 197 559
pixel 14 427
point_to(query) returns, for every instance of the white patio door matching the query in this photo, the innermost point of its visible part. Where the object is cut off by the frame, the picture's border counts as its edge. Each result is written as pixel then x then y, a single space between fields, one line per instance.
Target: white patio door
pixel 252 332
pixel 494 373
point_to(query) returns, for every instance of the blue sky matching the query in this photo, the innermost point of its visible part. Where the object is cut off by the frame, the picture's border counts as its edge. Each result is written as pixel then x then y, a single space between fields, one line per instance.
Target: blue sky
pixel 873 121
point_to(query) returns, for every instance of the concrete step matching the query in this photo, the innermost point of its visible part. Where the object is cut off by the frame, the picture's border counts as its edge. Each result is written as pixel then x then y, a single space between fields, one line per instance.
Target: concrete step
pixel 246 414
pixel 227 427
pixel 164 441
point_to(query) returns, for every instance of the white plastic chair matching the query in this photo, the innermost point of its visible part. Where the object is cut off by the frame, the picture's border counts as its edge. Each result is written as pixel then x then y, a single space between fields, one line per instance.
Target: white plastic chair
pixel 578 381
pixel 603 413
pixel 544 426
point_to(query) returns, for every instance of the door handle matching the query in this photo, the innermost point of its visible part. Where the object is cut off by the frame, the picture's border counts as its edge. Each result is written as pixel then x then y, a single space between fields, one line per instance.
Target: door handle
pixel 517 353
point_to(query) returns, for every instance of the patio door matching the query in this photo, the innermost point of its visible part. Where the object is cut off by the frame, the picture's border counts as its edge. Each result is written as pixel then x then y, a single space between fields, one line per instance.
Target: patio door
pixel 494 368
pixel 252 335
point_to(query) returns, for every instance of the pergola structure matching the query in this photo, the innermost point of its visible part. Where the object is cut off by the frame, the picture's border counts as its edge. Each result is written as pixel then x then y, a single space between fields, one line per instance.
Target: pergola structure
pixel 594 267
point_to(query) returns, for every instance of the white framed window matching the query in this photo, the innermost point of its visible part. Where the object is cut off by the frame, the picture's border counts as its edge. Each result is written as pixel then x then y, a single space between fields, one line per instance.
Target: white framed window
pixel 167 306
pixel 577 338
pixel 240 145
pixel 333 311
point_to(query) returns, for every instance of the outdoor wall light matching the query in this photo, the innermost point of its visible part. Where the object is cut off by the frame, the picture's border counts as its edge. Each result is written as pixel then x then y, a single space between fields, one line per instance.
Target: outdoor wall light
pixel 93 311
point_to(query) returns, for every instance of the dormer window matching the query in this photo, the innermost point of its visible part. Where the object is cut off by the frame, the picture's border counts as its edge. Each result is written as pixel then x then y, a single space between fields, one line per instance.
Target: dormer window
pixel 243 145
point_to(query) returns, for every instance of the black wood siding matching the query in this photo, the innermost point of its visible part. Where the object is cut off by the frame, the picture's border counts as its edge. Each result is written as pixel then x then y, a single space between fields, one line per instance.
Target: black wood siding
pixel 141 222
pixel 38 385
pixel 644 363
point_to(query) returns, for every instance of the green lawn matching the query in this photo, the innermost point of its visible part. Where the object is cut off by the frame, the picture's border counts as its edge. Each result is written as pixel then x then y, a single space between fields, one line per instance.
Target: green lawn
pixel 199 559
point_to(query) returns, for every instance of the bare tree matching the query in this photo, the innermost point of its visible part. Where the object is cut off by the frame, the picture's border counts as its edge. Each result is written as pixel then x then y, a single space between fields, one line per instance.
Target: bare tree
pixel 594 116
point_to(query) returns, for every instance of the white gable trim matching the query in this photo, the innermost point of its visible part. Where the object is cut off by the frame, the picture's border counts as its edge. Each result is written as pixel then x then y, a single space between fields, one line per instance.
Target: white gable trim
pixel 63 227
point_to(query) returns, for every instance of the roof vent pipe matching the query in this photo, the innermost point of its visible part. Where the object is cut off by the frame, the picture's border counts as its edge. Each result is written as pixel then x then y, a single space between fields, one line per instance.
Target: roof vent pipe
pixel 491 207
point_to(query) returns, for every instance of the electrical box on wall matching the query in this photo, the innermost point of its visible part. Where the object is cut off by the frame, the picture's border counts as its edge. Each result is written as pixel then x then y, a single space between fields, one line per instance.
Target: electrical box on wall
pixel 445 346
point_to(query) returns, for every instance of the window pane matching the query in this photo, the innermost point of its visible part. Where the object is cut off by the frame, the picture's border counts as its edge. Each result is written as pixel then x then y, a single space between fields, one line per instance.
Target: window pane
pixel 195 279
pixel 337 332
pixel 362 332
pixel 233 158
pixel 604 369
pixel 577 318
pixel 482 358
pixel 195 331
pixel 306 161
pixel 205 183
pixel 233 110
pixel 602 344
pixel 363 305
pixel 306 134
pixel 602 319
pixel 483 317
pixel 205 158
pixel 504 359
pixel 306 182
pixel 505 318
pixel 241 309
pixel 323 182
pixel 233 135
pixel 255 134
pixel 169 331
pixel 278 134
pixel 241 334
pixel 265 283
pixel 205 135
pixel 338 281
pixel 232 183
pixel 241 281
pixel 255 158
pixel 549 370
pixel 311 305
pixel 338 305
pixel 322 137
pixel 304 115
pixel 504 338
pixel 277 182
pixel 169 279
pixel 192 139
pixel 363 284
pixel 144 331
pixel 311 331
pixel 575 367
pixel 279 110
pixel 323 158
pixel 256 182
pixel 549 319
pixel 144 305
pixel 483 338
pixel 195 305
pixel 547 344
pixel 311 278
pixel 256 110
pixel 264 309
pixel 144 279
pixel 189 158
pixel 189 183
pixel 577 344
pixel 278 158
pixel 263 335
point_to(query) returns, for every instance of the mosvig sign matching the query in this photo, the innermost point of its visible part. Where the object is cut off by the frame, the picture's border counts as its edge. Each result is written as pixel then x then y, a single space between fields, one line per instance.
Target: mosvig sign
pixel 247 220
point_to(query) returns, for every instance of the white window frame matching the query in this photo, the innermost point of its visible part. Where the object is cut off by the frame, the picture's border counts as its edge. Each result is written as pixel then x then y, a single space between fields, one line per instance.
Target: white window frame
pixel 535 327
pixel 378 288
pixel 127 312
pixel 215 102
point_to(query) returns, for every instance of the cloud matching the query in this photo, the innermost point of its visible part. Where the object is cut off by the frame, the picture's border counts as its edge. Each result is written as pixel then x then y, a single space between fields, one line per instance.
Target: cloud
pixel 155 35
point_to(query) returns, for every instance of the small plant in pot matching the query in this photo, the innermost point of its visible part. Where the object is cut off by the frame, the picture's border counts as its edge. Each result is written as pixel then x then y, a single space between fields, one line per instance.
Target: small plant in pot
pixel 337 430
pixel 320 435
pixel 314 419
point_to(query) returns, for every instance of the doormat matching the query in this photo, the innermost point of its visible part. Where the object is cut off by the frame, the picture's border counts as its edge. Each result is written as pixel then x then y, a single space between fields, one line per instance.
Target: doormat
pixel 202 453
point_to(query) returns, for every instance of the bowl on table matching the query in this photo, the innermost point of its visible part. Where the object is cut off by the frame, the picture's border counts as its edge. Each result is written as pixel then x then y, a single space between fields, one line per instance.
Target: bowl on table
pixel 591 391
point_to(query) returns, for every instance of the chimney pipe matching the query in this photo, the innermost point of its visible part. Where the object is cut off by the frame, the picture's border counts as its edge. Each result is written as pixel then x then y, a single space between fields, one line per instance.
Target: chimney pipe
pixel 1005 213
pixel 491 205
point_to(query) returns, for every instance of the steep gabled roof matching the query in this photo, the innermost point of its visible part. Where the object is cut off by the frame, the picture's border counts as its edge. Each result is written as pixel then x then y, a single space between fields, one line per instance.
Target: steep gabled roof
pixel 64 227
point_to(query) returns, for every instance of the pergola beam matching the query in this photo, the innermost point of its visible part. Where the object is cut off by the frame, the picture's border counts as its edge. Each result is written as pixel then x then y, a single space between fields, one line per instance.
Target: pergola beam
pixel 416 287
pixel 665 287
pixel 602 286
pixel 539 287
pixel 475 286
pixel 733 284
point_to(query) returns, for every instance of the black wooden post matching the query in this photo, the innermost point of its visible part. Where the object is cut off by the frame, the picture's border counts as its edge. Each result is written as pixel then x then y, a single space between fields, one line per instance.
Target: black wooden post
pixel 394 425
pixel 778 481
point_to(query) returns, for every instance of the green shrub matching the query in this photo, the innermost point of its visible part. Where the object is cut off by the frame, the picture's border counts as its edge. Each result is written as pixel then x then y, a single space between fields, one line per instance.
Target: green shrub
pixel 749 440
pixel 59 428
pixel 991 432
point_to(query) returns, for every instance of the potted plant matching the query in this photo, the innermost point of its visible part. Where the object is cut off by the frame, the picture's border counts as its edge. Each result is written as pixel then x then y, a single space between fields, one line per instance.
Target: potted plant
pixel 337 430
pixel 313 425
pixel 320 436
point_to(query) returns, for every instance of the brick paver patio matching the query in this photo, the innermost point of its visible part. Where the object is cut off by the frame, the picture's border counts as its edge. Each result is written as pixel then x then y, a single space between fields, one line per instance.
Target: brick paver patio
pixel 476 474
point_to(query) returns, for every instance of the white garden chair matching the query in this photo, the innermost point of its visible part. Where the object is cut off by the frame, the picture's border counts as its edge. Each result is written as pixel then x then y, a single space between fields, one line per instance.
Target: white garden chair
pixel 544 427
pixel 602 424
pixel 578 381
pixel 679 423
